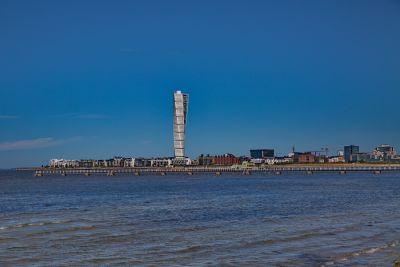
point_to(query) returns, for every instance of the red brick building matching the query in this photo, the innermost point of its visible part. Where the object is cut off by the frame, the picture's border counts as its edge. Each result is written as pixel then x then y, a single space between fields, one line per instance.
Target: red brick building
pixel 226 160
pixel 306 157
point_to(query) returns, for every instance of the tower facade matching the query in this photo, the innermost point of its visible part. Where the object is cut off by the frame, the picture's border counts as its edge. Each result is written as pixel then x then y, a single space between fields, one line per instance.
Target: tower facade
pixel 349 151
pixel 181 102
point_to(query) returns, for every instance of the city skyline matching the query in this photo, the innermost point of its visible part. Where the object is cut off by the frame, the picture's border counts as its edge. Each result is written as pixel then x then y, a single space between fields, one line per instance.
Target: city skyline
pixel 259 159
pixel 79 84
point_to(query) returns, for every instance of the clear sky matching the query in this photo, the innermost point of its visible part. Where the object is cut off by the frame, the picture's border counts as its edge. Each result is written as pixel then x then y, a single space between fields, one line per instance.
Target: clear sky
pixel 95 79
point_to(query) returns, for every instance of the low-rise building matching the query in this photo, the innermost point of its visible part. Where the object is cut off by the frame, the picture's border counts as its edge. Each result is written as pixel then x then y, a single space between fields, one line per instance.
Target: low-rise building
pixel 336 159
pixel 226 160
pixel 273 161
pixel 205 160
pixel 63 163
pixel 86 163
pixel 162 162
pixel 360 157
pixel 321 159
pixel 142 162
pixel 181 161
pixel 129 162
pixel 219 160
pixel 384 153
pixel 306 157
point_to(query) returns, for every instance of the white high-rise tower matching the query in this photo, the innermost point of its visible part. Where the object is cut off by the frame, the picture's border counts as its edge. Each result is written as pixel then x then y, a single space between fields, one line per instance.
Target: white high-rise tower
pixel 181 102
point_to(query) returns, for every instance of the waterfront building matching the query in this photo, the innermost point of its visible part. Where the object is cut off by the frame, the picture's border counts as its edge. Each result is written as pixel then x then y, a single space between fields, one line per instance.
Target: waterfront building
pixel 129 162
pixel 63 163
pixel 258 162
pixel 321 159
pixel 194 162
pixel 360 157
pixel 205 160
pixel 219 160
pixel 161 162
pixel 273 161
pixel 108 162
pixel 350 150
pixel 114 162
pixel 142 162
pixel 86 163
pixel 336 159
pixel 283 160
pixel 226 160
pixel 384 152
pixel 99 163
pixel 261 153
pixel 181 102
pixel 118 162
pixel 306 157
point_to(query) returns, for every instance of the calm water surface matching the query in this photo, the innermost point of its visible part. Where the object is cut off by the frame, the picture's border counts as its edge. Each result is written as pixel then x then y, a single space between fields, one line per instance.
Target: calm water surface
pixel 202 220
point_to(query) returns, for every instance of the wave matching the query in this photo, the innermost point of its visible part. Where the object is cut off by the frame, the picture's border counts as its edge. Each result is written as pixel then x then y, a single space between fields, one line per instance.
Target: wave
pixel 303 235
pixel 298 237
pixel 194 229
pixel 190 249
pixel 363 252
pixel 106 261
pixel 63 230
pixel 23 225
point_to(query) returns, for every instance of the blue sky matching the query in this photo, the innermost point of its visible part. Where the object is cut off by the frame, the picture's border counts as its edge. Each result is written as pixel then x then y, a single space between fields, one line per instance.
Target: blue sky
pixel 94 79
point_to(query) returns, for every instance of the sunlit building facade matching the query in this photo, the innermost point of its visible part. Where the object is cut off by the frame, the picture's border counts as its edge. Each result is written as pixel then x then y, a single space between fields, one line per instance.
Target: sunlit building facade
pixel 181 102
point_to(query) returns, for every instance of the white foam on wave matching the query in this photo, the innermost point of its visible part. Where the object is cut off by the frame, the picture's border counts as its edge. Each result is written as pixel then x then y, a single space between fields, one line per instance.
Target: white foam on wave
pixel 373 250
pixel 21 225
pixel 367 251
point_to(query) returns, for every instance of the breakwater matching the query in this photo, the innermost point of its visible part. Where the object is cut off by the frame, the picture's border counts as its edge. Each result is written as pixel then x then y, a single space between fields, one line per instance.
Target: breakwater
pixel 111 171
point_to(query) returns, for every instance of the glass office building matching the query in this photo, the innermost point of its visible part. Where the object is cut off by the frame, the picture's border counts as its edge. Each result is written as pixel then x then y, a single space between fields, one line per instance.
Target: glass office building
pixel 349 151
pixel 262 153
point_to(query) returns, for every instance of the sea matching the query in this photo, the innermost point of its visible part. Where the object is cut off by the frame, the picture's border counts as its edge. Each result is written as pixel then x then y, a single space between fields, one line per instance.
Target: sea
pixel 293 219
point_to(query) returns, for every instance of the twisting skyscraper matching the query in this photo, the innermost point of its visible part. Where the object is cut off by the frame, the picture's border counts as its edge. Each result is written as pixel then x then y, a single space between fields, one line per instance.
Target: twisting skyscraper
pixel 180 114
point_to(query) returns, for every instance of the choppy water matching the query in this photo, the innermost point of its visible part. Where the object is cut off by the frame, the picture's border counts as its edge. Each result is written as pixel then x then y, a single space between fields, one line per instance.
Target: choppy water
pixel 232 220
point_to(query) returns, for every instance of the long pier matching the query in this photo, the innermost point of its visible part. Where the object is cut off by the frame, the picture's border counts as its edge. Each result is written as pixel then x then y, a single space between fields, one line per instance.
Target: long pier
pixel 112 171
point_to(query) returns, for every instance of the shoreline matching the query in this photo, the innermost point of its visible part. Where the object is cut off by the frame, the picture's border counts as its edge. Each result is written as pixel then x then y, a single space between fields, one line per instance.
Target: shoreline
pixel 233 167
pixel 218 170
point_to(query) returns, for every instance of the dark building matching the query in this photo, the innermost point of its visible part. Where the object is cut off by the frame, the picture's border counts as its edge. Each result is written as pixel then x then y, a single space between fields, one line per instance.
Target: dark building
pixel 262 153
pixel 205 160
pixel 350 150
pixel 142 162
